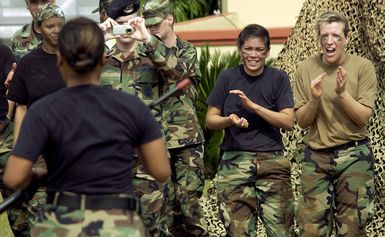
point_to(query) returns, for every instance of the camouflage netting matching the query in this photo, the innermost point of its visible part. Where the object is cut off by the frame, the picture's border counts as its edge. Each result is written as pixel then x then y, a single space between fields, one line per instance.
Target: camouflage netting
pixel 367 39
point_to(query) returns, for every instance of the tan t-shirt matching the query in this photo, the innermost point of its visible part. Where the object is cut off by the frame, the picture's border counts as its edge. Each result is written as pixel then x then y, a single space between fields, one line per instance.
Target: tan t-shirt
pixel 332 126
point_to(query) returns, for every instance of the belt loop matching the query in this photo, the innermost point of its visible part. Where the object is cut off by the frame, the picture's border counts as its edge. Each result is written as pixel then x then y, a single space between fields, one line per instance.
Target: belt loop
pixel 55 199
pixel 82 201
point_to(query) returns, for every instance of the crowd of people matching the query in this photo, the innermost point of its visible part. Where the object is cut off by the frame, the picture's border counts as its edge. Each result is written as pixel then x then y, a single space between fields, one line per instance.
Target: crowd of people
pixel 77 116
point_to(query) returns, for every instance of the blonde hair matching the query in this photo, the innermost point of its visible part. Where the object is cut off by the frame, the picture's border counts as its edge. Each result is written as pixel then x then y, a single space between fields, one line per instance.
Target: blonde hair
pixel 330 17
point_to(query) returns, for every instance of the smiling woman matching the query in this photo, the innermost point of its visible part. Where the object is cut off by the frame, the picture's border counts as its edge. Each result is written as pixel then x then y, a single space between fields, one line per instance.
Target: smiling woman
pixel 36 76
pixel 251 102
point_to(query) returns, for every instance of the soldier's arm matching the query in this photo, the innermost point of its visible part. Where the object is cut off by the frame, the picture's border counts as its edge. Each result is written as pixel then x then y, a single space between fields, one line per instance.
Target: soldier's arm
pixel 154 157
pixel 18 172
pixel 175 64
pixel 21 110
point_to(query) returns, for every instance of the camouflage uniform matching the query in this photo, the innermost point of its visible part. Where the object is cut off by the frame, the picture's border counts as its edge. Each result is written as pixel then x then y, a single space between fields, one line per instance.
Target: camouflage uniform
pixel 68 222
pixel 350 197
pixel 136 75
pixel 22 218
pixel 249 178
pixel 24 40
pixel 186 136
pixel 337 180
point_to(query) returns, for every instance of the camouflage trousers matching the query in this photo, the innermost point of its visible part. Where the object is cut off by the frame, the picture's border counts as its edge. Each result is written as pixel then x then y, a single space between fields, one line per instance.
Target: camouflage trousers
pixel 337 189
pixel 153 197
pixel 252 185
pixel 184 214
pixel 62 222
pixel 22 217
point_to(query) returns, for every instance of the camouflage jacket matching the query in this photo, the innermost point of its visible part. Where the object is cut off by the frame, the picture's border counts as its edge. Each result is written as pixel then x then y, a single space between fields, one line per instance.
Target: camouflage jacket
pixel 135 75
pixel 24 40
pixel 177 63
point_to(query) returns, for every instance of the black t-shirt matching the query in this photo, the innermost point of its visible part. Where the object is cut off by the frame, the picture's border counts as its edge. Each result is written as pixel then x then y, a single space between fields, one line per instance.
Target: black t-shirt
pixel 87 135
pixel 271 90
pixel 6 60
pixel 36 76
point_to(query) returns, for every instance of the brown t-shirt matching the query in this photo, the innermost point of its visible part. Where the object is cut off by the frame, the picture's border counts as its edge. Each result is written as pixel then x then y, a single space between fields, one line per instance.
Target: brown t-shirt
pixel 332 126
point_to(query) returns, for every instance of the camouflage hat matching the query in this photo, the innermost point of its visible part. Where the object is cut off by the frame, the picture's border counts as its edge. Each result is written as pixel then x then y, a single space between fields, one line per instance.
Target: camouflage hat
pixel 154 11
pixel 119 8
pixel 103 5
pixel 47 11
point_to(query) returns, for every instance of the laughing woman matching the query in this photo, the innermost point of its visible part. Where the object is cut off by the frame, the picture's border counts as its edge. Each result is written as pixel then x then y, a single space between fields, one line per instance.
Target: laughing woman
pixel 252 102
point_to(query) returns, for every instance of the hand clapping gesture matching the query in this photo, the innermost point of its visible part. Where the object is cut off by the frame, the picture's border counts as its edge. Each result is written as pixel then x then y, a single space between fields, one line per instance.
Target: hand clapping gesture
pixel 316 86
pixel 341 80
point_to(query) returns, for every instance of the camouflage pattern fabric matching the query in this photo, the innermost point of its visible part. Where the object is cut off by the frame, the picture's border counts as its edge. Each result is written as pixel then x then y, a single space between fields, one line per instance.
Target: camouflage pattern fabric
pixel 186 136
pixel 23 217
pixel 48 11
pixel 252 185
pixel 155 11
pixel 136 75
pixel 6 143
pixel 175 64
pixel 63 222
pixel 24 40
pixel 342 180
pixel 184 214
pixel 152 196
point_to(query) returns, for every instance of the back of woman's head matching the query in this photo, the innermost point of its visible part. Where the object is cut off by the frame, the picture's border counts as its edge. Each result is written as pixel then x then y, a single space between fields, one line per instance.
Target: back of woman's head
pixel 81 43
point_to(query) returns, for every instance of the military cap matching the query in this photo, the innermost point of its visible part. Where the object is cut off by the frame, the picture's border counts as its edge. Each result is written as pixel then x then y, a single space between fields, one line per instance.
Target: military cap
pixel 47 11
pixel 103 5
pixel 154 11
pixel 122 8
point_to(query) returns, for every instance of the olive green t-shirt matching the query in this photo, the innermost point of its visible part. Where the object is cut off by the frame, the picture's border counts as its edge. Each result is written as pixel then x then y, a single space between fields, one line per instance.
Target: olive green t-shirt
pixel 332 126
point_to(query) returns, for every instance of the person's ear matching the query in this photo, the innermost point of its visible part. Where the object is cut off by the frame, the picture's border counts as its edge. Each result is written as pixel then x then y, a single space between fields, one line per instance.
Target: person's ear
pixel 38 28
pixel 268 52
pixel 170 19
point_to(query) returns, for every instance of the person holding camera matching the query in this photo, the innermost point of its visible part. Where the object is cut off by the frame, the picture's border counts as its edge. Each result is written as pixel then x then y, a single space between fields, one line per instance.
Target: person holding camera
pixel 177 60
pixel 88 134
pixel 128 69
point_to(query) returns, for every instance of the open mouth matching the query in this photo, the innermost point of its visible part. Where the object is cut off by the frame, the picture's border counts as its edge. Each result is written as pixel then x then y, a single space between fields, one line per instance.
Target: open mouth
pixel 330 51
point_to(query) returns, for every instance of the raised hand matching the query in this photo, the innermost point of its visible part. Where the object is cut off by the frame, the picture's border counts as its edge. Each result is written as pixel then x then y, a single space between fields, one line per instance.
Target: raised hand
pixel 106 27
pixel 341 80
pixel 316 86
pixel 140 33
pixel 247 103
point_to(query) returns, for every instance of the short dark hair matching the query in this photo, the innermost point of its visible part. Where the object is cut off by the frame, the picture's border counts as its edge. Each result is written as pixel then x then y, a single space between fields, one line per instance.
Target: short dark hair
pixel 330 17
pixel 253 30
pixel 81 42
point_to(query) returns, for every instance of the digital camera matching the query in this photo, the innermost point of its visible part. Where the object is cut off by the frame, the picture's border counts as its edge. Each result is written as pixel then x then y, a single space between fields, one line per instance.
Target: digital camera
pixel 122 29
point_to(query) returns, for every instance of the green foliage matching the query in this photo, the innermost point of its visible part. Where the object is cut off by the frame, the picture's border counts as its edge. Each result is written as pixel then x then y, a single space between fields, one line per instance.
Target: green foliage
pixel 187 10
pixel 211 66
